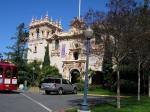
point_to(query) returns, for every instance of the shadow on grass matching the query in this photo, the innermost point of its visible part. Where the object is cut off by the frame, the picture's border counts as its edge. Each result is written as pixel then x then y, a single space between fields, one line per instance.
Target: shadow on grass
pixel 108 104
pixel 91 101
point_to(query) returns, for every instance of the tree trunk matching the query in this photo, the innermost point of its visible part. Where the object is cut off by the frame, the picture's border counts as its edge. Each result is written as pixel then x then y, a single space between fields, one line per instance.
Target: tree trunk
pixel 118 89
pixel 139 80
pixel 148 85
pixel 144 84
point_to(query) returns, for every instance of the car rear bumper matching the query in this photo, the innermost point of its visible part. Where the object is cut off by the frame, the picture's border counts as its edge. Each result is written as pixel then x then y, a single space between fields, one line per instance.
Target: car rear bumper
pixel 50 89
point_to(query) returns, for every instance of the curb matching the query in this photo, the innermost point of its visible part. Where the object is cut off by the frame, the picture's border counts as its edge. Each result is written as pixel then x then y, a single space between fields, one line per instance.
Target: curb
pixel 93 95
pixel 80 94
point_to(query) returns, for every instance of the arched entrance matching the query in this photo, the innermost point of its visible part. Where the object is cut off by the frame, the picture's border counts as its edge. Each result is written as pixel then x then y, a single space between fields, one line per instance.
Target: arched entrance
pixel 75 76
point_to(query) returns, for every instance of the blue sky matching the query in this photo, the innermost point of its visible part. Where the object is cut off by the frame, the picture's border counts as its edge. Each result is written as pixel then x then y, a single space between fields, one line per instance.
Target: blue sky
pixel 14 12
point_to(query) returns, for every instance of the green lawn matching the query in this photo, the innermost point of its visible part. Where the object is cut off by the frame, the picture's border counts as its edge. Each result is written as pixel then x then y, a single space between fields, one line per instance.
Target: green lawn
pixel 127 105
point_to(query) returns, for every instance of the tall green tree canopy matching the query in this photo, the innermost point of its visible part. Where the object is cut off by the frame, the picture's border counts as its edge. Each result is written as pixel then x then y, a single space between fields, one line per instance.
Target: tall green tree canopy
pixel 17 52
pixel 46 61
pixel 47 69
pixel 18 49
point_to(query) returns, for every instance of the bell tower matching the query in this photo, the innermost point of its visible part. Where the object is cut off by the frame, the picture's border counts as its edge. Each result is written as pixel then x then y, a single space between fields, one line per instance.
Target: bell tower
pixel 39 31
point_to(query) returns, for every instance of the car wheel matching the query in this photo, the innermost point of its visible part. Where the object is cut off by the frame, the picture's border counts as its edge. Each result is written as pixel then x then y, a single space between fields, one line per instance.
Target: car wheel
pixel 75 90
pixel 47 92
pixel 60 91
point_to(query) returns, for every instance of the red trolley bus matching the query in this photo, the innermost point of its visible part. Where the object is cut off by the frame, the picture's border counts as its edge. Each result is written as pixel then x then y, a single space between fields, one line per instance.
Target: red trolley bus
pixel 8 76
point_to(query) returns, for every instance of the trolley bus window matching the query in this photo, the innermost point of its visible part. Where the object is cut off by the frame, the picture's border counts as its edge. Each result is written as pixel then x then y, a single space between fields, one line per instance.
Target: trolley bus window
pixel 1 71
pixel 14 74
pixel 8 73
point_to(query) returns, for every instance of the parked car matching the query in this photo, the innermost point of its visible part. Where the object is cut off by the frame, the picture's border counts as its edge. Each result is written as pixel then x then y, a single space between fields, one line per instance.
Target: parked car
pixel 58 85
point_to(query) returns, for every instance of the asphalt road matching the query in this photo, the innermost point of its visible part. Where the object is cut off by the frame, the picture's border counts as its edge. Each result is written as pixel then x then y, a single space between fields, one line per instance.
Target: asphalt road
pixel 29 102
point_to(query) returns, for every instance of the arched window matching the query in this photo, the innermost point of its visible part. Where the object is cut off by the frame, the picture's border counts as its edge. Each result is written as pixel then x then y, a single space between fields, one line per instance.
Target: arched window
pixel 76 55
pixel 42 32
pixel 35 49
pixel 47 33
pixel 32 34
pixel 53 31
pixel 37 32
pixel 76 45
pixel 56 44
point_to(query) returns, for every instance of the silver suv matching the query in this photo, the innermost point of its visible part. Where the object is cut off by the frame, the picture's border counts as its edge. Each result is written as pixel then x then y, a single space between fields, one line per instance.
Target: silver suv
pixel 58 85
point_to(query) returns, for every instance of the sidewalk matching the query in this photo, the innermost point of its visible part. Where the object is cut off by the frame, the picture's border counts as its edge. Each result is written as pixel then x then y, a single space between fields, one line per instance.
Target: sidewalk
pixel 35 90
pixel 122 96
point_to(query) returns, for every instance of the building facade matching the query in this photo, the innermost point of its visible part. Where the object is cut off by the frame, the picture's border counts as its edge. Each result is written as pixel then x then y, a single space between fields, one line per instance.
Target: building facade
pixel 67 50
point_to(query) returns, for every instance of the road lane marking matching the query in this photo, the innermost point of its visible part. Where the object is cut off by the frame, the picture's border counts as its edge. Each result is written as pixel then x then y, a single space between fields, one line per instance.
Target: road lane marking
pixel 46 108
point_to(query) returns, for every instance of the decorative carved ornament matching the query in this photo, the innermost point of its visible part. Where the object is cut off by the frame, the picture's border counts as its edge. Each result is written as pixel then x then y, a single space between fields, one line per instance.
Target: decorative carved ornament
pixel 55 53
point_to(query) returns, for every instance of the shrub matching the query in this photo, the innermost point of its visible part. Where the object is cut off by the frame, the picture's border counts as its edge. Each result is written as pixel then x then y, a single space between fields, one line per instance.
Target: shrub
pixel 93 87
pixel 126 86
pixel 80 86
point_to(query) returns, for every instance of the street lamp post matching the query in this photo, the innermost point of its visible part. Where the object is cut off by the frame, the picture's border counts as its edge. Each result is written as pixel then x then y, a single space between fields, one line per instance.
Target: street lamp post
pixel 84 106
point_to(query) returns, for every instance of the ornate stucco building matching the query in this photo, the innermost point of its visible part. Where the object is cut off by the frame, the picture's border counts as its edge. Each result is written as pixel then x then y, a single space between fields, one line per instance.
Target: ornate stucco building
pixel 67 50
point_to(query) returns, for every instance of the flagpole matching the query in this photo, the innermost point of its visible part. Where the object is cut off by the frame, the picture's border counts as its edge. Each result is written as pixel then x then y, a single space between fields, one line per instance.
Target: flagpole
pixel 79 8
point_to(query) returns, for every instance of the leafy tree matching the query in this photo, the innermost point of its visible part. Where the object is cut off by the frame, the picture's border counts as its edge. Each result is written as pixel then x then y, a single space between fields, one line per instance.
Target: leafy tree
pixel 147 72
pixel 126 28
pixel 46 57
pixel 34 75
pixel 141 39
pixel 120 19
pixel 116 28
pixel 101 29
pixel 102 34
pixel 51 71
pixel 18 49
pixel 107 63
pixel 47 69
